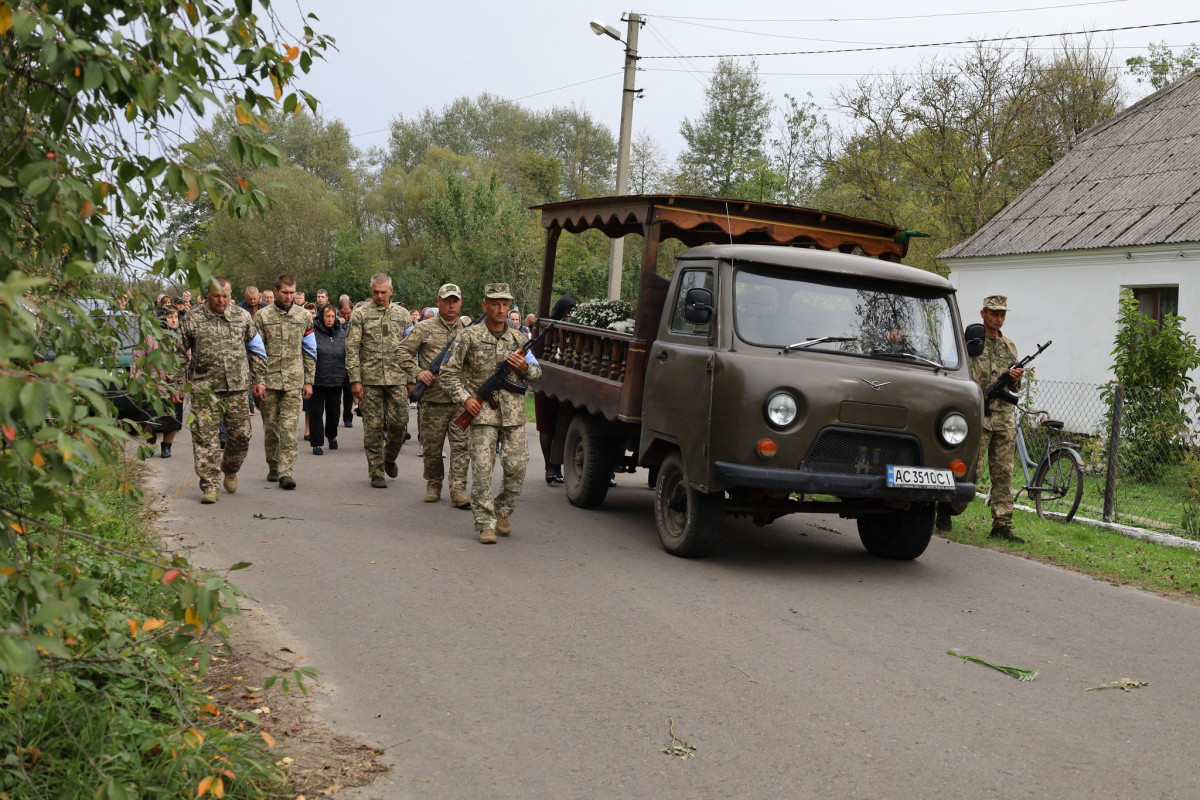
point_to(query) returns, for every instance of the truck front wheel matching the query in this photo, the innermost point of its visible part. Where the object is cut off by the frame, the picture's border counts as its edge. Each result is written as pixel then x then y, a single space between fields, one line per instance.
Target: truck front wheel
pixel 686 518
pixel 902 535
pixel 587 463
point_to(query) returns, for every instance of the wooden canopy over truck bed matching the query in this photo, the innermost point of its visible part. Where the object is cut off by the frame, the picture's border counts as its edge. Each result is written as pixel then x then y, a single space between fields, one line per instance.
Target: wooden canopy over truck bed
pixel 604 371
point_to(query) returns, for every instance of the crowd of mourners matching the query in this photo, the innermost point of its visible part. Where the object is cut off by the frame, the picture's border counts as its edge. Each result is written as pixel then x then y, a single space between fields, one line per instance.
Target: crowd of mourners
pixel 329 362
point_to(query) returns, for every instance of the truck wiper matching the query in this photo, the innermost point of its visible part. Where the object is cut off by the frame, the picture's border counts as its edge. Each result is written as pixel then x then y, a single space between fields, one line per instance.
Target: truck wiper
pixel 819 340
pixel 913 356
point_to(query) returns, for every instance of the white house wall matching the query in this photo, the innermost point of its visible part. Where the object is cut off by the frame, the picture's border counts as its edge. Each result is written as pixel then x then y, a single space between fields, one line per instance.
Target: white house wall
pixel 1071 297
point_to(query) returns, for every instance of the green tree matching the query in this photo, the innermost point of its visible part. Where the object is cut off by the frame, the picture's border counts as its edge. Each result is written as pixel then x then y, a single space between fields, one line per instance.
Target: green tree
pixel 726 146
pixel 647 165
pixel 799 150
pixel 1151 362
pixel 297 235
pixel 86 94
pixel 1162 67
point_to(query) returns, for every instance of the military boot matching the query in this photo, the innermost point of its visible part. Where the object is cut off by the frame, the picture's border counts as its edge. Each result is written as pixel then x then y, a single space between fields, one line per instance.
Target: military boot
pixel 273 475
pixel 286 482
pixel 460 499
pixel 231 482
pixel 212 497
pixel 503 526
pixel 433 492
pixel 1005 532
pixel 378 482
pixel 487 536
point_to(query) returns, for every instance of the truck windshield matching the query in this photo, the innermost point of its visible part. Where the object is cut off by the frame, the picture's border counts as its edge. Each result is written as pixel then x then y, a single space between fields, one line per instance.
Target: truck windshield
pixel 887 321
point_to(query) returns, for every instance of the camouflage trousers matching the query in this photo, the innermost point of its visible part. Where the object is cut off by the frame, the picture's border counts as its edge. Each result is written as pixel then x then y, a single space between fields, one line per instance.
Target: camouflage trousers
pixel 514 459
pixel 280 415
pixel 435 422
pixel 997 449
pixel 383 408
pixel 209 410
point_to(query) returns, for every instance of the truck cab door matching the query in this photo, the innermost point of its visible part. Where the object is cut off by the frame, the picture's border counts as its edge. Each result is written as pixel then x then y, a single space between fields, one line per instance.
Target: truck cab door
pixel 677 400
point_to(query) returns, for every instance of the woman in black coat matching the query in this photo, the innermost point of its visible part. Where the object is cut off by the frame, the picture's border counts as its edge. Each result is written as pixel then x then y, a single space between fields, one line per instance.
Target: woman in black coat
pixel 325 406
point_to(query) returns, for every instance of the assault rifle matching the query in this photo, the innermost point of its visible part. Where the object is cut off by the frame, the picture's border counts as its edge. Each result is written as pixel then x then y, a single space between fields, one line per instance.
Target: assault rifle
pixel 999 388
pixel 418 390
pixel 499 380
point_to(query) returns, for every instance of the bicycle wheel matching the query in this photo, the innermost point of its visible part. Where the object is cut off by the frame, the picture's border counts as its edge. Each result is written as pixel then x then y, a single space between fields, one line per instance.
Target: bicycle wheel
pixel 1058 484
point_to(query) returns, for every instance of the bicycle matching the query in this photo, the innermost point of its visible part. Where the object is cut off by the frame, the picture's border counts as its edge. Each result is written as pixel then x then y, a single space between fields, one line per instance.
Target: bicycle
pixel 1057 483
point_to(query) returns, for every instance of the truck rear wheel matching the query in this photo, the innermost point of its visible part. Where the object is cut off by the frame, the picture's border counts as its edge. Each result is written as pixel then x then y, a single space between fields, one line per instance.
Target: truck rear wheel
pixel 902 535
pixel 686 518
pixel 587 463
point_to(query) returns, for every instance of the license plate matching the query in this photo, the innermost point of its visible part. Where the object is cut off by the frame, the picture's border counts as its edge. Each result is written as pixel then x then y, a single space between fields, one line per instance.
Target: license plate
pixel 919 478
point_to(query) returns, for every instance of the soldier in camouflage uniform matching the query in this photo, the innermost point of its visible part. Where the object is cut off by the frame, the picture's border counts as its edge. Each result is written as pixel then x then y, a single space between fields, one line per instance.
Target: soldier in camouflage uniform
pixel 436 410
pixel 214 339
pixel 287 333
pixel 998 443
pixel 377 381
pixel 476 354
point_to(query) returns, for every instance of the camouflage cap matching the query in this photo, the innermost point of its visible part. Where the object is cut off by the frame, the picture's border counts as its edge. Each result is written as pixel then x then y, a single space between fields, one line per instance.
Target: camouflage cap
pixel 449 290
pixel 995 302
pixel 497 291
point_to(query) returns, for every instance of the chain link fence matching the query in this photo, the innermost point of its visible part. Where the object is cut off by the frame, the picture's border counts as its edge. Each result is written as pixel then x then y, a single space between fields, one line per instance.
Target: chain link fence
pixel 1140 450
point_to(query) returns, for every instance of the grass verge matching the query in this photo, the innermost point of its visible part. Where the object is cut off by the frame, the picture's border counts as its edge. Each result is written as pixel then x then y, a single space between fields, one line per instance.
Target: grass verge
pixel 1101 553
pixel 132 726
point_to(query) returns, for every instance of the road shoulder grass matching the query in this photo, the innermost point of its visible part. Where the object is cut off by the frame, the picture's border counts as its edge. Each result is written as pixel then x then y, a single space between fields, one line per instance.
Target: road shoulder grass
pixel 1103 554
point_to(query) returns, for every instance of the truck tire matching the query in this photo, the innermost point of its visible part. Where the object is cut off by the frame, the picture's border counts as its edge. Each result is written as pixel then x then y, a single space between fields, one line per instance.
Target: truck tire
pixel 901 535
pixel 686 518
pixel 587 463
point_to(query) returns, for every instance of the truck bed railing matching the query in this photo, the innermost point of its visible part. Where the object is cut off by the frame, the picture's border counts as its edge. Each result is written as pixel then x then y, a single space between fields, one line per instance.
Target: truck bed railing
pixel 594 351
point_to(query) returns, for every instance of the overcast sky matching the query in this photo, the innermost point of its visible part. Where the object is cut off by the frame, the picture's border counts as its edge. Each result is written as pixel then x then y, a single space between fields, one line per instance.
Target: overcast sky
pixel 397 58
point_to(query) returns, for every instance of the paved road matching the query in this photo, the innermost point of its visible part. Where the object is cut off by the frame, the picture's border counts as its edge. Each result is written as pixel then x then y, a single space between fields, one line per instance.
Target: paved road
pixel 551 664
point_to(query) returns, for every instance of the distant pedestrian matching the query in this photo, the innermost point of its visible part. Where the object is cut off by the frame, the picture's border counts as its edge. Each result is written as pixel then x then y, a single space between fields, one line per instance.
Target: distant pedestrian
pixel 287 334
pixel 213 344
pixel 171 422
pixel 546 409
pixel 325 405
pixel 376 380
pixel 476 354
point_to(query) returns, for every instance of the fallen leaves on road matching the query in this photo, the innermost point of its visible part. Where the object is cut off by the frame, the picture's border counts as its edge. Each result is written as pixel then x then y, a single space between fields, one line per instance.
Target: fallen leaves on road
pixel 1124 684
pixel 1012 672
pixel 678 747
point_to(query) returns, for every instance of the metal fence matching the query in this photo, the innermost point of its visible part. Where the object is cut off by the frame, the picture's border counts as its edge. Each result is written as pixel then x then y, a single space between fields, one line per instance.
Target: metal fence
pixel 1141 452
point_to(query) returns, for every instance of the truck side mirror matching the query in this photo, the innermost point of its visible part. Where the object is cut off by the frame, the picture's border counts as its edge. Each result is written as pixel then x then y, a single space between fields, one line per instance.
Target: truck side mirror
pixel 975 336
pixel 697 306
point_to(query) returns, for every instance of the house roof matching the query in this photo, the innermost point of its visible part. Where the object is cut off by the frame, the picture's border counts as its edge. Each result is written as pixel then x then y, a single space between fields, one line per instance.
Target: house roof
pixel 1131 180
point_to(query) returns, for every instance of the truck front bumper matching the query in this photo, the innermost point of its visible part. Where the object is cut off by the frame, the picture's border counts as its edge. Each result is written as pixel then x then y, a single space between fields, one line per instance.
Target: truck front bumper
pixel 872 487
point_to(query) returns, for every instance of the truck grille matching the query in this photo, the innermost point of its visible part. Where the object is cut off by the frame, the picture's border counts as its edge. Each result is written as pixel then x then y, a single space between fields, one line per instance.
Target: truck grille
pixel 855 452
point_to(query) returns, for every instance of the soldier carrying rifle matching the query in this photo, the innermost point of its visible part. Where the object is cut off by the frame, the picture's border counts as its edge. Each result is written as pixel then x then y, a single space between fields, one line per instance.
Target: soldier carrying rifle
pixel 476 356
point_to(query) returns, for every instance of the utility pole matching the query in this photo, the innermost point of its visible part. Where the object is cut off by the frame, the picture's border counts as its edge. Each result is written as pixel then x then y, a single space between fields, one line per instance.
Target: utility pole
pixel 635 22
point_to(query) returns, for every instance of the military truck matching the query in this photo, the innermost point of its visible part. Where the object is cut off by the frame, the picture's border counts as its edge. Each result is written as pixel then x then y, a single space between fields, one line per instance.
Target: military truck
pixel 790 364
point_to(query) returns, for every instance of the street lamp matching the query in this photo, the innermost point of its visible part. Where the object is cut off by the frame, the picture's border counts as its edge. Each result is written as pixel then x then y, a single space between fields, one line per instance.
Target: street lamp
pixel 635 22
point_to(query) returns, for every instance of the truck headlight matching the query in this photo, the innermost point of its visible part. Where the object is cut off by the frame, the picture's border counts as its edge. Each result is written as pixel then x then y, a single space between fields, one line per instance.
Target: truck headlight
pixel 953 429
pixel 780 409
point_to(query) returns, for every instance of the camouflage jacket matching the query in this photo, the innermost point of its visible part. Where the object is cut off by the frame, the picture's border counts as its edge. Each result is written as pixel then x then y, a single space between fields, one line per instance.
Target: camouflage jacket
pixel 475 355
pixel 371 343
pixel 421 347
pixel 291 346
pixel 999 353
pixel 218 345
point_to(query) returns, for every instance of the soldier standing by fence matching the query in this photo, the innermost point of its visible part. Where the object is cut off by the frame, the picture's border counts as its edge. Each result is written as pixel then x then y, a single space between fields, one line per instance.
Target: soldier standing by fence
pixel 218 335
pixel 377 380
pixel 287 333
pixel 476 354
pixel 436 410
pixel 998 442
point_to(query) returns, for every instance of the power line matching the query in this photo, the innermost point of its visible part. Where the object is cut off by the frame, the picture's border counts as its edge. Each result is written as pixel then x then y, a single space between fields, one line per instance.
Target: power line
pixel 569 86
pixel 893 18
pixel 935 44
pixel 688 68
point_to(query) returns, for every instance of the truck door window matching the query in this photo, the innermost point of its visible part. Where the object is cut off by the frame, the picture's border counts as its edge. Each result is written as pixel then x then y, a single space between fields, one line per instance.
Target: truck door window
pixel 692 279
pixel 895 321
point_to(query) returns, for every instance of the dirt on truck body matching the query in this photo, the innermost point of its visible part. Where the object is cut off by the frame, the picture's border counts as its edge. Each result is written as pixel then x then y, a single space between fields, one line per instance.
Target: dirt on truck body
pixel 790 364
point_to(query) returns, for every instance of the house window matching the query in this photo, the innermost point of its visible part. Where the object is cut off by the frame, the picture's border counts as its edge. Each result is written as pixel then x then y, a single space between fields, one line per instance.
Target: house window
pixel 1157 301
